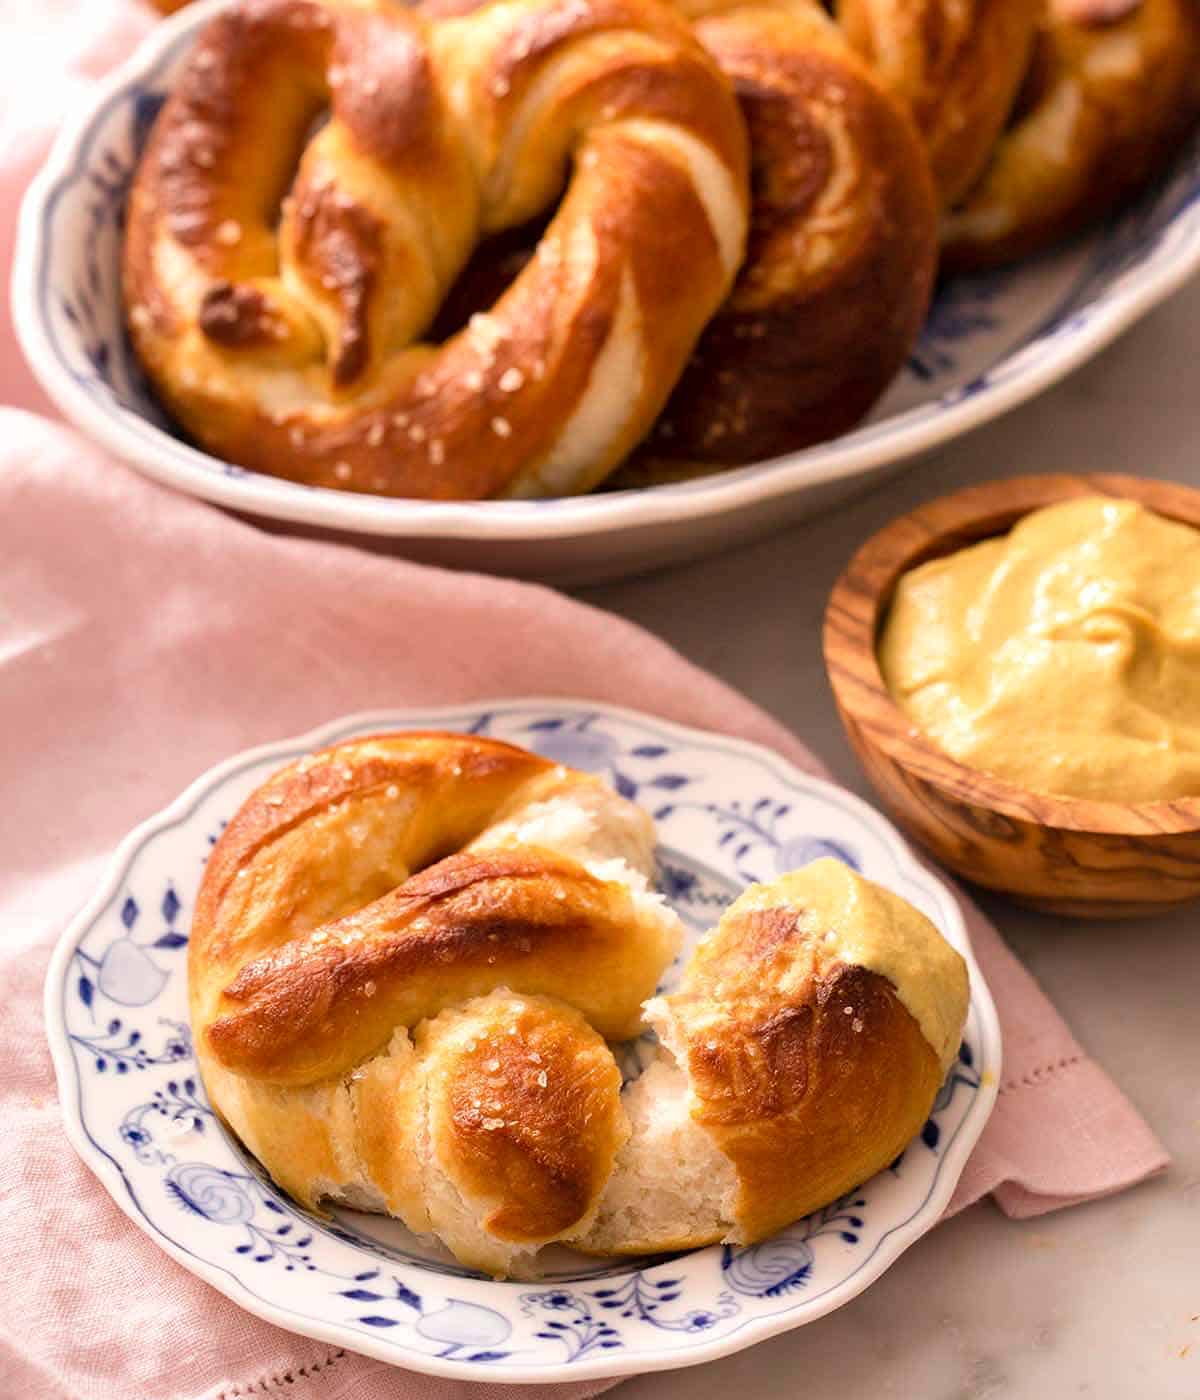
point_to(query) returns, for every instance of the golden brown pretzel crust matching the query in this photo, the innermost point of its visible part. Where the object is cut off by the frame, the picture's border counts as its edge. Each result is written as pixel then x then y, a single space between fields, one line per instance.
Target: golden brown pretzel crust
pixel 528 1114
pixel 840 260
pixel 294 349
pixel 1106 103
pixel 526 920
pixel 382 887
pixel 808 1092
pixel 401 1000
pixel 956 65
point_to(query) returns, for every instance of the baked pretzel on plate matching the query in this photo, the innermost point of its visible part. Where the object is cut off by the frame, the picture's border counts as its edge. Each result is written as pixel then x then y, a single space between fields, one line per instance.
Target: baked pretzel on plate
pixel 279 307
pixel 409 952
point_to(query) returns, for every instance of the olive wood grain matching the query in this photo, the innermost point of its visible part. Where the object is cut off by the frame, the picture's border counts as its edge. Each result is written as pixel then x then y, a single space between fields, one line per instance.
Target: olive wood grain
pixel 1074 856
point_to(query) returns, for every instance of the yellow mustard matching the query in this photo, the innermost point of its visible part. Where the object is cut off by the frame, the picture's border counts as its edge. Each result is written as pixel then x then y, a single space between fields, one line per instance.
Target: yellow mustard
pixel 1063 656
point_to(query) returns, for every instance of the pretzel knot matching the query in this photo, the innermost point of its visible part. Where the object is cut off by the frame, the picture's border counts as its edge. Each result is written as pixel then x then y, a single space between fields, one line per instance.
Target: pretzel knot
pixel 1112 88
pixel 409 952
pixel 280 272
pixel 526 939
pixel 956 64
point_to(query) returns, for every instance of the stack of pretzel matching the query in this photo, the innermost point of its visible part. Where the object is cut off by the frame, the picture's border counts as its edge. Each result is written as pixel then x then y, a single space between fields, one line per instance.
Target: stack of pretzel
pixel 512 248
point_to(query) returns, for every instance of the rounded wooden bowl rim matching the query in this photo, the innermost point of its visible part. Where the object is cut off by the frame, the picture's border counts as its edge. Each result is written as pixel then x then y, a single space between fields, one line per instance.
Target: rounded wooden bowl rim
pixel 950 522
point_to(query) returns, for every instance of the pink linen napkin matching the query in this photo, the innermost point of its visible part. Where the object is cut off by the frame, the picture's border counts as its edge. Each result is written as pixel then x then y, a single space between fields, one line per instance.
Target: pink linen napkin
pixel 144 637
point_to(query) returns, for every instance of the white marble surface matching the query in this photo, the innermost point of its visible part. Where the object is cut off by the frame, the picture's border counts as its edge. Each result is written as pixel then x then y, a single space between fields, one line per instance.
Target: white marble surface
pixel 1101 1300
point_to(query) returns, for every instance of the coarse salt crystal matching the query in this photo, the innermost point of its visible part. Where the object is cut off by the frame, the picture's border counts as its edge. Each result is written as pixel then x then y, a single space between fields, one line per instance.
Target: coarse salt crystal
pixel 502 427
pixel 375 434
pixel 511 380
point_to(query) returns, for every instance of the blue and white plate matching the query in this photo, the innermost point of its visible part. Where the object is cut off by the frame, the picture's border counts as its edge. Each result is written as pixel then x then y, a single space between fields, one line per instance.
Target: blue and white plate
pixel 728 813
pixel 990 343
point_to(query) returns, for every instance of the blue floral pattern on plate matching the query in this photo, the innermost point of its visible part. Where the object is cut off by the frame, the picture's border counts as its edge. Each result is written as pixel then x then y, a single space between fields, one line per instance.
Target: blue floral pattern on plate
pixel 727 814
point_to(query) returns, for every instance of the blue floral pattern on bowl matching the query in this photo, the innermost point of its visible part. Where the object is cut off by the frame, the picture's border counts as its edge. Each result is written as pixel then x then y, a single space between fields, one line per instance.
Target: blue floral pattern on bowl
pixel 135 1108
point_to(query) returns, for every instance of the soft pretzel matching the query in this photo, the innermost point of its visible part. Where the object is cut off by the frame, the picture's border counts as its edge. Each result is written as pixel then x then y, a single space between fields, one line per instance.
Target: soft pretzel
pixel 802 1051
pixel 410 951
pixel 840 259
pixel 462 889
pixel 278 307
pixel 1113 88
pixel 956 65
pixel 841 255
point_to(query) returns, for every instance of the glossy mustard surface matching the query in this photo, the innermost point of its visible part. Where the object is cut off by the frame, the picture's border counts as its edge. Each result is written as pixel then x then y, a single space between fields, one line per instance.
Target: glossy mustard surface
pixel 1063 656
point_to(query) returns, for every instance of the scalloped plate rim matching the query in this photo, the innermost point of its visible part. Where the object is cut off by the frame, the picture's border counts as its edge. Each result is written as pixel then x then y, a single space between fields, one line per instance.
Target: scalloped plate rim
pixel 890 1246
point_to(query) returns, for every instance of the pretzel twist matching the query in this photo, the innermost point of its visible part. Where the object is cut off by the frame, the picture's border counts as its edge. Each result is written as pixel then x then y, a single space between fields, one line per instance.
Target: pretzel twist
pixel 294 347
pixel 956 65
pixel 406 1040
pixel 839 262
pixel 1112 89
pixel 409 952
pixel 840 259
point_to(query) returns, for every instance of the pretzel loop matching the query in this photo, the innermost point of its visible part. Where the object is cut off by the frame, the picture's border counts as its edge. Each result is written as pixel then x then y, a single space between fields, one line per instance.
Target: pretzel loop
pixel 279 277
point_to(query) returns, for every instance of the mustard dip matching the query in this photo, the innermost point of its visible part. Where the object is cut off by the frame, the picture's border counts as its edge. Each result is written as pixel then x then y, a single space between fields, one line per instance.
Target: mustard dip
pixel 1064 656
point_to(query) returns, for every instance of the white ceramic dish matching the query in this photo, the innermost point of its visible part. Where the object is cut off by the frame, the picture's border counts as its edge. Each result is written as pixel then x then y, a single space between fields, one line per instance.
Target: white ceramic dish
pixel 728 813
pixel 989 344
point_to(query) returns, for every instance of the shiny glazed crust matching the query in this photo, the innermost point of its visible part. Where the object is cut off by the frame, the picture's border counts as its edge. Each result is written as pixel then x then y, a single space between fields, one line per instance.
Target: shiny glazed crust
pixel 809 1096
pixel 295 349
pixel 956 65
pixel 430 1043
pixel 813 1027
pixel 840 259
pixel 409 954
pixel 1111 91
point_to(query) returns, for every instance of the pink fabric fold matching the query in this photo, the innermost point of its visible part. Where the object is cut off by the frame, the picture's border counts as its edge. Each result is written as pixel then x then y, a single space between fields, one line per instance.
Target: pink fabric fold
pixel 144 637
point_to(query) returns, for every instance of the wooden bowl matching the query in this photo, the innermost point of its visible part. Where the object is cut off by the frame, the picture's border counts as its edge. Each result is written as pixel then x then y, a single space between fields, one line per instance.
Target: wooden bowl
pixel 1100 860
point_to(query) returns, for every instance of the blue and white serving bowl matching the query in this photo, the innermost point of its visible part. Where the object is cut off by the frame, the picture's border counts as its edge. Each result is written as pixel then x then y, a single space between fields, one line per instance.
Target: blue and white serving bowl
pixel 990 343
pixel 728 813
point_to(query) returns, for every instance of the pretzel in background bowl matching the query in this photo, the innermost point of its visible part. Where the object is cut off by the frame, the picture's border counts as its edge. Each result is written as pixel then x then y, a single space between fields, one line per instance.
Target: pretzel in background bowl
pixel 278 279
pixel 1112 89
pixel 840 258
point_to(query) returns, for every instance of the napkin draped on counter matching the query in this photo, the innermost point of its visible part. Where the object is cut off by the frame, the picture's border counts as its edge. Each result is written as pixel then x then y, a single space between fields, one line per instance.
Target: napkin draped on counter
pixel 145 637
